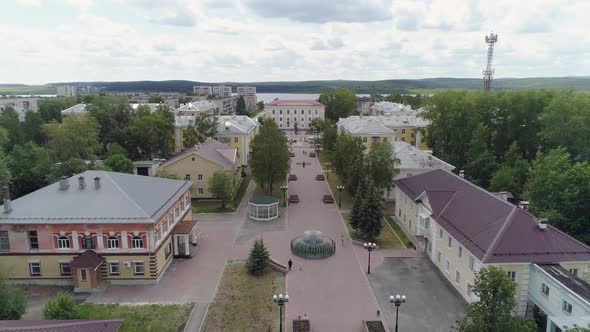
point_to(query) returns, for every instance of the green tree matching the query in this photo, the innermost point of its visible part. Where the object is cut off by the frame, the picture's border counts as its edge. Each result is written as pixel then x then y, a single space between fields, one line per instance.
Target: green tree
pixel 357 204
pixel 259 259
pixel 77 137
pixel 340 103
pixel 32 127
pixel 481 163
pixel 62 308
pixel 347 151
pixel 329 136
pixel 5 176
pixel 13 301
pixel 382 166
pixel 30 166
pixel 317 124
pixel 370 225
pixel 50 109
pixel 69 168
pixel 493 311
pixel 10 121
pixel 577 328
pixel 150 134
pixel 199 130
pixel 241 106
pixel 119 163
pixel 504 180
pixel 260 105
pixel 221 186
pixel 270 156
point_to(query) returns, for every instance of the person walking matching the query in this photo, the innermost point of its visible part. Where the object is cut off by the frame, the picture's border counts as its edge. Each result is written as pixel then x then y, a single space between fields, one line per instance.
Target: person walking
pixel 290 263
pixel 342 238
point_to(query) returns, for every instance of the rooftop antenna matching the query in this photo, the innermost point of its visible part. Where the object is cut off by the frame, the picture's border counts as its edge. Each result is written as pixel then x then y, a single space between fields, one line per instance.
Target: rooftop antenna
pixel 488 73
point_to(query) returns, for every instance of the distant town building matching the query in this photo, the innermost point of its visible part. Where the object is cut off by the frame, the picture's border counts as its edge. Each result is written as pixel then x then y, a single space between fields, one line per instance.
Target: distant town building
pixel 369 130
pixel 202 90
pixel 388 108
pixel 363 105
pixel 221 91
pixel 249 94
pixel 197 108
pixel 413 161
pixel 66 90
pixel 226 105
pixel 78 110
pixel 289 114
pixel 152 106
pixel 20 105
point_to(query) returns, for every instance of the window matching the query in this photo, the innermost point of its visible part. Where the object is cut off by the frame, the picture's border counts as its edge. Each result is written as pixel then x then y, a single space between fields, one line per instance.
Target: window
pixel 440 233
pixel 170 221
pixel 164 227
pixel 566 306
pixel 450 242
pixel 364 140
pixel 410 226
pixel 35 269
pixel 63 242
pixel 136 242
pixel 199 177
pixel 412 135
pixel 375 139
pixel 273 111
pixel 157 234
pixel 236 140
pixel 438 256
pixel 187 177
pixel 471 263
pixel 403 131
pixel 64 269
pixel 33 240
pixel 280 111
pixel 460 251
pixel 512 275
pixel 138 268
pixel 399 212
pixel 384 139
pixel 469 289
pixel 112 242
pixel 83 274
pixel 4 242
pixel 457 277
pixel 181 205
pixel 403 139
pixel 87 242
pixel 188 200
pixel 114 268
pixel 545 289
pixel 316 112
pixel 287 111
pixel 193 158
pixel 201 191
pixel 574 272
pixel 168 250
pixel 448 266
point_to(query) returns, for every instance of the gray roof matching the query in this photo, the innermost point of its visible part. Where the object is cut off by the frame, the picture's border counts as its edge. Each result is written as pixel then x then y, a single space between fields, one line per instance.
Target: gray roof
pixel 263 200
pixel 364 125
pixel 413 158
pixel 197 106
pixel 235 124
pixel 120 198
pixel 76 109
pixel 212 150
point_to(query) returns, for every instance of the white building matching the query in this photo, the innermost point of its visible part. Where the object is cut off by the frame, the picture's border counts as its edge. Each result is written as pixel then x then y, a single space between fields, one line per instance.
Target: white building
pixel 20 105
pixel 249 94
pixel 202 90
pixel 152 106
pixel 221 91
pixel 226 105
pixel 289 114
pixel 79 110
pixel 66 90
pixel 414 161
pixel 196 108
pixel 386 108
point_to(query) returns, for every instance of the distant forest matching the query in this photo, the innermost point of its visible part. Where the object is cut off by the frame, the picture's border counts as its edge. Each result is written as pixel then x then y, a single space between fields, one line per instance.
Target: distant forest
pixel 383 86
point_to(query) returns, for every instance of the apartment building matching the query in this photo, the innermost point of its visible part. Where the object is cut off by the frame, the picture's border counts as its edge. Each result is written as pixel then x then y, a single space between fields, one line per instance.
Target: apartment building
pixel 221 91
pixel 249 94
pixel 226 105
pixel 66 91
pixel 202 90
pixel 291 114
pixel 198 107
pixel 97 228
pixel 20 104
pixel 462 228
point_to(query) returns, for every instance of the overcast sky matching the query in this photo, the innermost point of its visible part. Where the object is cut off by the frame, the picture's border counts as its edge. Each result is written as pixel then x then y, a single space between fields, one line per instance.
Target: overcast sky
pixel 270 40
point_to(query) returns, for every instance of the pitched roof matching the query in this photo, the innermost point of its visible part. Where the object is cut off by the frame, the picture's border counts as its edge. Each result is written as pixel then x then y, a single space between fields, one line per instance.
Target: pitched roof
pixel 73 325
pixel 212 150
pixel 120 198
pixel 492 229
pixel 197 106
pixel 76 109
pixel 364 125
pixel 87 259
pixel 295 102
pixel 412 157
pixel 235 124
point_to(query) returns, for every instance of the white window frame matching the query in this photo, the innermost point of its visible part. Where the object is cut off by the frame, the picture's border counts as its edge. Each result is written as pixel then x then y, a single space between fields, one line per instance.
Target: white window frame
pixel 566 307
pixel 136 264
pixel 118 268
pixel 29 237
pixel 200 191
pixel 440 233
pixel 471 263
pixel 448 266
pixel 199 177
pixel 137 242
pixel 61 268
pixel 545 290
pixel 457 277
pixel 5 241
pixel 450 242
pixel 113 240
pixel 438 256
pixel 187 177
pixel 511 275
pixel 573 271
pixel 63 242
pixel 38 265
pixel 460 251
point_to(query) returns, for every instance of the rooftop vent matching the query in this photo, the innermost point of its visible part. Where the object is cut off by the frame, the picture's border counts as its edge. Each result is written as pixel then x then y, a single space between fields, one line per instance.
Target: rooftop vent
pixel 64 183
pixel 524 205
pixel 81 182
pixel 543 222
pixel 462 173
pixel 97 182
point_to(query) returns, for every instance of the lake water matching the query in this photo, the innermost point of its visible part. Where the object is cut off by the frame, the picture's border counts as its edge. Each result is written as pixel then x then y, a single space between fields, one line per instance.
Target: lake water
pixel 268 97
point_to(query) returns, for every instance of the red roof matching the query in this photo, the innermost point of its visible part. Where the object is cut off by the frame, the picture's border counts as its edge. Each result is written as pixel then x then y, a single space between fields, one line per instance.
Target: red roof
pixel 87 259
pixel 493 229
pixel 184 227
pixel 295 102
pixel 61 325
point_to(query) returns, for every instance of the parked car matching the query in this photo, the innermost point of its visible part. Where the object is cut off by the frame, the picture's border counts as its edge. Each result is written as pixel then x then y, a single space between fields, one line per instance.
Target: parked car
pixel 320 177
pixel 312 154
pixel 292 177
pixel 328 199
pixel 294 199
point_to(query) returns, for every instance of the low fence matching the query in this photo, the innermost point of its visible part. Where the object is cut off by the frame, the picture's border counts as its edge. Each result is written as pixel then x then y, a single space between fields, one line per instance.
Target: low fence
pixel 278 266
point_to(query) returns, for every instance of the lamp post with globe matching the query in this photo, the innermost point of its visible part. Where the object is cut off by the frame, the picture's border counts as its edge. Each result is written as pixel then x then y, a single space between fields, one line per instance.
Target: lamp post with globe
pixel 281 301
pixel 397 301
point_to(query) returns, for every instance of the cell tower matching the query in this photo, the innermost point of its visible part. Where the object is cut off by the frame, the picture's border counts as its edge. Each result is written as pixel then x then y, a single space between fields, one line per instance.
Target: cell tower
pixel 488 73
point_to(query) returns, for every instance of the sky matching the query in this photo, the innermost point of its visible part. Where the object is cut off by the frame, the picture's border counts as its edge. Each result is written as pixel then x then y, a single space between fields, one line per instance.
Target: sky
pixel 48 41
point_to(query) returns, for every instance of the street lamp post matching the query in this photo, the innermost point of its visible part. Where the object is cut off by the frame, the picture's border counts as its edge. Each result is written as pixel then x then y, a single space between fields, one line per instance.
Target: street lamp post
pixel 317 149
pixel 328 165
pixel 280 300
pixel 397 301
pixel 340 188
pixel 284 189
pixel 370 247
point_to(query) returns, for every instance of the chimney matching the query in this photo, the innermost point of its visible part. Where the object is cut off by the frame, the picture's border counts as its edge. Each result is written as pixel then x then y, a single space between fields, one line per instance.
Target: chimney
pixel 462 173
pixel 543 222
pixel 97 182
pixel 64 183
pixel 524 205
pixel 81 182
pixel 5 195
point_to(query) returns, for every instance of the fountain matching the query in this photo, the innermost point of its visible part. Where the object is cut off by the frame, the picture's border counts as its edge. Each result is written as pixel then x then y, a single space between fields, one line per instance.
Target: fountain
pixel 313 244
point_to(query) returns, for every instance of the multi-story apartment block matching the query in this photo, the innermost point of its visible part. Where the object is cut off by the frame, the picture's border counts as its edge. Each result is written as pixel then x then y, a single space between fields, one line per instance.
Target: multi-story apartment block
pixel 226 105
pixel 462 228
pixel 249 94
pixel 66 91
pixel 197 108
pixel 19 105
pixel 368 130
pixel 199 163
pixel 97 228
pixel 221 91
pixel 202 90
pixel 291 114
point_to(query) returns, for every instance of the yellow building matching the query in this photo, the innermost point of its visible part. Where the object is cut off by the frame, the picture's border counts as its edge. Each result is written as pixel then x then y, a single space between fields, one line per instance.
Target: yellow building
pixel 369 130
pixel 237 131
pixel 198 164
pixel 407 123
pixel 462 228
pixel 97 228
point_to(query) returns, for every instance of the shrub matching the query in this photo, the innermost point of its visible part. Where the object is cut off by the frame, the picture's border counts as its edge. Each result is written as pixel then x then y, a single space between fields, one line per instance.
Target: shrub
pixel 63 307
pixel 13 302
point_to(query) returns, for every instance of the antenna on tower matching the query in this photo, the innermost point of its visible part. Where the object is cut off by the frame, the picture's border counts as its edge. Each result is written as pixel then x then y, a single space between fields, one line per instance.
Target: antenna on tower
pixel 488 73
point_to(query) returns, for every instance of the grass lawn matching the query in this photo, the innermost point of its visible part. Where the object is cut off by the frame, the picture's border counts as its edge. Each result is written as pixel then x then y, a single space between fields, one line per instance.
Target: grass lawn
pixel 152 317
pixel 214 206
pixel 389 213
pixel 388 239
pixel 244 302
pixel 334 181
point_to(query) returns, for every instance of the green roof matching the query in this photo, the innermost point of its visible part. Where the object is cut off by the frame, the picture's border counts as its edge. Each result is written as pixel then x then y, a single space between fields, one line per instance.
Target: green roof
pixel 263 200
